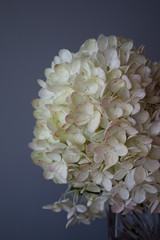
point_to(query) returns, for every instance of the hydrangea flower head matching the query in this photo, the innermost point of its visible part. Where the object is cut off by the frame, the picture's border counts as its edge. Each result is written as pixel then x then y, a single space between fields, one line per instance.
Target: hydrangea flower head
pixel 98 129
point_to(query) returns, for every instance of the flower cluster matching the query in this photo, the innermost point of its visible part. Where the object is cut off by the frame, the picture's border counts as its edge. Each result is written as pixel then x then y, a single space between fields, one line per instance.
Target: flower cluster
pixel 98 129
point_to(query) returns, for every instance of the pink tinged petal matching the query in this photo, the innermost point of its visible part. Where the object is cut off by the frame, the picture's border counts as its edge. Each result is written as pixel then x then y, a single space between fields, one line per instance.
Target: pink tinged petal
pixel 82 176
pixel 140 175
pixel 131 131
pixel 102 43
pixel 152 165
pixel 120 174
pixel 138 196
pixel 124 193
pixel 117 207
pixel 86 108
pixel 155 128
pixel 149 188
pixel 96 177
pixel 65 55
pixel 129 179
pixel 98 158
pixel 106 182
pixel 82 119
pixel 70 118
pixel 81 208
pixel 101 149
pixel 105 102
pixel 94 122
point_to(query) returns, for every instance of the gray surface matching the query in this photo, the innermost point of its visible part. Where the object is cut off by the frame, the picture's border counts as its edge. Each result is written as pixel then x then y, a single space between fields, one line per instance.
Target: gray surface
pixel 32 32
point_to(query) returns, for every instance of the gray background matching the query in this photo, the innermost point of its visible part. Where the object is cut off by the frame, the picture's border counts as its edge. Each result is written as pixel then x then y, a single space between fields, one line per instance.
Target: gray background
pixel 32 33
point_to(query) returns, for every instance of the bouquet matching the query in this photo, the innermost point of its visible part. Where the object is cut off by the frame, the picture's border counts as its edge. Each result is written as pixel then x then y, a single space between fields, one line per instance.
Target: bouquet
pixel 98 129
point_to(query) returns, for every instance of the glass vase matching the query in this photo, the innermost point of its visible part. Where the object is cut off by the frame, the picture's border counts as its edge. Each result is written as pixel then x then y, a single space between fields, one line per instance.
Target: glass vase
pixel 133 225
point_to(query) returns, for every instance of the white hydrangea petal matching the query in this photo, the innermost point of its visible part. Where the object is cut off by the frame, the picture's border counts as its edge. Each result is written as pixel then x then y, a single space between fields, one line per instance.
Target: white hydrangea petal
pixel 81 208
pixel 78 138
pixel 120 174
pixel 140 174
pixel 138 196
pixel 102 43
pixel 149 188
pixel 94 122
pixel 124 193
pixel 93 188
pixel 71 222
pixel 115 84
pixel 112 41
pixel 41 83
pixel 44 93
pixel 60 171
pixel 152 165
pixel 155 128
pixel 115 63
pixel 106 182
pixel 47 174
pixel 71 212
pixel 121 149
pixel 128 83
pixel 127 165
pixel 109 55
pixel 155 153
pixel 65 55
pixel 96 177
pixel 154 206
pixel 129 179
pixel 54 156
pixel 75 66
